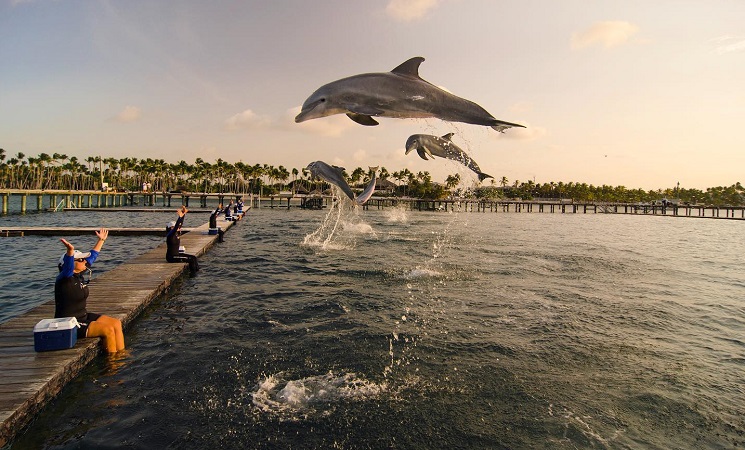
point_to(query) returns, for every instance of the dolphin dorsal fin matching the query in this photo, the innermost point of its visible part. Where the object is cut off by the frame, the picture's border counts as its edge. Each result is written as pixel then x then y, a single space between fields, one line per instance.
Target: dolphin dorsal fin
pixel 448 136
pixel 409 68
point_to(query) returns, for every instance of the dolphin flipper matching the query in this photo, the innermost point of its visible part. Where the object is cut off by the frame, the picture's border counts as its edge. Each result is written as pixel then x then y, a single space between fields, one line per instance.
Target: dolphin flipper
pixel 362 119
pixel 483 176
pixel 501 125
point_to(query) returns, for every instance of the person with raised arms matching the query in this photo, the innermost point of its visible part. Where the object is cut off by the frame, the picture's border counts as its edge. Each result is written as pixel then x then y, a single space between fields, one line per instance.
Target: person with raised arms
pixel 71 295
pixel 173 239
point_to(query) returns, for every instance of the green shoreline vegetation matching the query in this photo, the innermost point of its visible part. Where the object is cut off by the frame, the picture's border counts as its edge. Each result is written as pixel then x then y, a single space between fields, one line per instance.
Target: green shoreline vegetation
pixel 58 171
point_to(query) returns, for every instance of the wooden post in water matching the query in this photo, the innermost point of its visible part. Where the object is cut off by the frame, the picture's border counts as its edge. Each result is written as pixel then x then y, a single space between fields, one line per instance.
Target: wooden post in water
pixel 39 202
pixel 6 200
pixel 23 203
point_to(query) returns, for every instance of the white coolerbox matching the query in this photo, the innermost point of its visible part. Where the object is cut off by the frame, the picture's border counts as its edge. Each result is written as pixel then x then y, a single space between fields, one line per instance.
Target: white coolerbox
pixel 55 334
pixel 182 249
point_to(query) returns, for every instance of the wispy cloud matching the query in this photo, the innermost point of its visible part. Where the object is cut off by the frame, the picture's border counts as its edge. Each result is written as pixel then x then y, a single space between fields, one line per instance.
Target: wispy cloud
pixel 129 114
pixel 729 44
pixel 409 10
pixel 360 155
pixel 247 120
pixel 606 34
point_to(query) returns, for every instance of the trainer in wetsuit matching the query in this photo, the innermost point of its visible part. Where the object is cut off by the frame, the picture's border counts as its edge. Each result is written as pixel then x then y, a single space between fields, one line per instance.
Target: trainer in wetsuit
pixel 213 223
pixel 71 296
pixel 173 238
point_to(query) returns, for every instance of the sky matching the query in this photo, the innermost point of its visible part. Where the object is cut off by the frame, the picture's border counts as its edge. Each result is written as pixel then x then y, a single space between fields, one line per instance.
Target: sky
pixel 643 94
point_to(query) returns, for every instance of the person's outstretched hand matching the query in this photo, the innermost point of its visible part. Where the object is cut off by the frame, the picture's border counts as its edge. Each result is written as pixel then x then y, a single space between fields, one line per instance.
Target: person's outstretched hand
pixel 70 247
pixel 102 234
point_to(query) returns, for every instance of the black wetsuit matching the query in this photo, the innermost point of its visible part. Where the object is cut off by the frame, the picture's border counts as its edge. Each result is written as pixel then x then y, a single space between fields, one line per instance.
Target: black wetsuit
pixel 173 238
pixel 213 224
pixel 71 294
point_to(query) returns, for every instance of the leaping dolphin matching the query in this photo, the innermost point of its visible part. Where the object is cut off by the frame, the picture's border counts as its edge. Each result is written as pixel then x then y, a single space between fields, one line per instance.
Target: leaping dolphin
pixel 334 175
pixel 400 93
pixel 429 146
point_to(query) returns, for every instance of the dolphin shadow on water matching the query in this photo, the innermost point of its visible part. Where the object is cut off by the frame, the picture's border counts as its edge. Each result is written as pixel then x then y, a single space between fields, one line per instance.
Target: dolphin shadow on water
pixel 334 175
pixel 400 93
pixel 428 146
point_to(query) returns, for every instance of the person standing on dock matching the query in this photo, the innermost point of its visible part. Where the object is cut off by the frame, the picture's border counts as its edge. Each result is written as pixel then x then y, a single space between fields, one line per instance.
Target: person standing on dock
pixel 229 211
pixel 173 239
pixel 71 295
pixel 213 223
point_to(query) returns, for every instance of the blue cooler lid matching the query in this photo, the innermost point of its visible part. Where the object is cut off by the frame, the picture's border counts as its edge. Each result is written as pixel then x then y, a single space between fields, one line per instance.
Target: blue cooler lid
pixel 60 323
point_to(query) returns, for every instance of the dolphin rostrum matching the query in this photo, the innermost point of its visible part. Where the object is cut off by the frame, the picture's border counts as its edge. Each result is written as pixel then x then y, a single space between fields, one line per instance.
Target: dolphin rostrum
pixel 429 146
pixel 400 93
pixel 334 175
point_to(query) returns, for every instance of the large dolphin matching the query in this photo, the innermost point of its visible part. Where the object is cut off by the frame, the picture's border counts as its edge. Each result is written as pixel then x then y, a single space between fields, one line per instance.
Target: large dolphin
pixel 429 146
pixel 400 93
pixel 334 175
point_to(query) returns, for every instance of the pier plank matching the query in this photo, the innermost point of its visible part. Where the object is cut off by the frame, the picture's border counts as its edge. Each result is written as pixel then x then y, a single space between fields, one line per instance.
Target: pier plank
pixel 31 379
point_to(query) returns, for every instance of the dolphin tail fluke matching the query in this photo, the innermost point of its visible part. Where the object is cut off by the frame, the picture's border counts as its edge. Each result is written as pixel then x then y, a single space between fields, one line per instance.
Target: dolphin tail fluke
pixel 483 176
pixel 367 193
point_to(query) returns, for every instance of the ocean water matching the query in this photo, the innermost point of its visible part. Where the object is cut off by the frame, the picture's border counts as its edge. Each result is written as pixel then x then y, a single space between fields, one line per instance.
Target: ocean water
pixel 389 328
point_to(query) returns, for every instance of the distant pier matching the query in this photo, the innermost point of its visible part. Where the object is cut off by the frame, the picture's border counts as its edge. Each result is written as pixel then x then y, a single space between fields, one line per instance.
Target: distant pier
pixel 533 206
pixel 150 201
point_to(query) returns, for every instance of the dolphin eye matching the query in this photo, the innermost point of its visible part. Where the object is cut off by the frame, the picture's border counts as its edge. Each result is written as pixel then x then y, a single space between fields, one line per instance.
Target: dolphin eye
pixel 322 100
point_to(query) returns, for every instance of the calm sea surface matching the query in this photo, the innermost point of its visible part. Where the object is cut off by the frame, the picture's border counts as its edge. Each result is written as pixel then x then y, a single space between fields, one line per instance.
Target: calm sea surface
pixel 400 329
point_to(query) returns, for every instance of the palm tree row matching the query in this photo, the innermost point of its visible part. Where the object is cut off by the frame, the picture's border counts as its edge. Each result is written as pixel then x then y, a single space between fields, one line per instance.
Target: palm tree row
pixel 733 195
pixel 58 171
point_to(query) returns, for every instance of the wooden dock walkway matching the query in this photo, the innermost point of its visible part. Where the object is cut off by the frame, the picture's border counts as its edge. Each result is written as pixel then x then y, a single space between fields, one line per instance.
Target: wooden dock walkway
pixel 30 379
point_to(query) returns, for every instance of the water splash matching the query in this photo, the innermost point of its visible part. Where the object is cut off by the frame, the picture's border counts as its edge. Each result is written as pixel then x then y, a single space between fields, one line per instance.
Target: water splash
pixel 399 214
pixel 420 272
pixel 340 228
pixel 304 397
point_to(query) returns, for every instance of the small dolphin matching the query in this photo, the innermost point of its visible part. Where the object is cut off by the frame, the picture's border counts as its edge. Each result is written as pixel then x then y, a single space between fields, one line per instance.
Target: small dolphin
pixel 334 175
pixel 400 93
pixel 430 146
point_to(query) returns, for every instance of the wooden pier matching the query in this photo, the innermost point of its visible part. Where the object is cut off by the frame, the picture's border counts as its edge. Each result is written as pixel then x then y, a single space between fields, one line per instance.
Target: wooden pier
pixel 57 200
pixel 148 201
pixel 534 206
pixel 30 379
pixel 77 231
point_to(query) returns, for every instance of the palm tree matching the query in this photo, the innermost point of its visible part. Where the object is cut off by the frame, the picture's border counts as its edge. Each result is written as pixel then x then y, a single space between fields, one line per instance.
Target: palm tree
pixel 356 176
pixel 295 172
pixel 452 180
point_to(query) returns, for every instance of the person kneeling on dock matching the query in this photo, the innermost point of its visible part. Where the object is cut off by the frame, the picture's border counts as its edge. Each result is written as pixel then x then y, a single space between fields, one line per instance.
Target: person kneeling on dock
pixel 71 296
pixel 173 238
